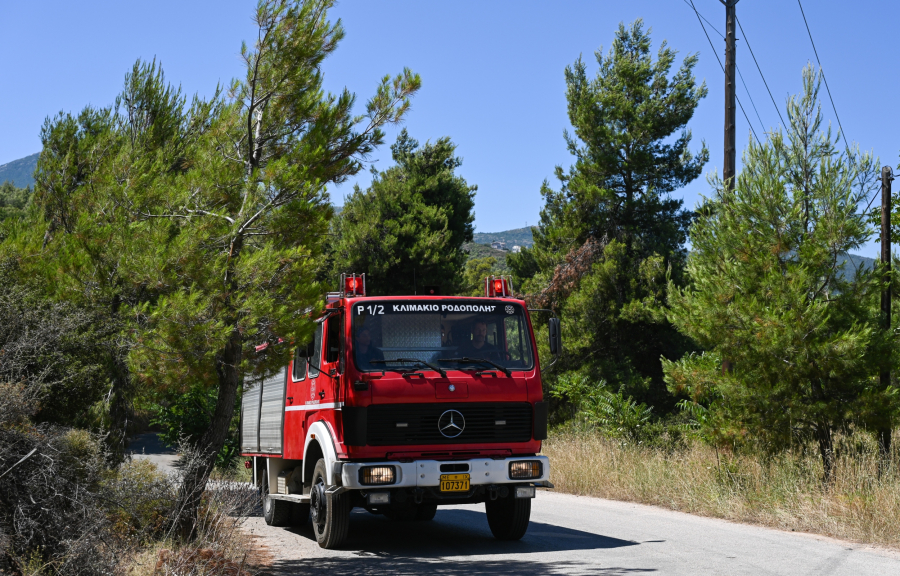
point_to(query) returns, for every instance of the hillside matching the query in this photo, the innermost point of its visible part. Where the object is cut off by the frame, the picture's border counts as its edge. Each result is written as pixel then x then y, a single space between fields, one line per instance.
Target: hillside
pixel 517 237
pixel 483 251
pixel 19 172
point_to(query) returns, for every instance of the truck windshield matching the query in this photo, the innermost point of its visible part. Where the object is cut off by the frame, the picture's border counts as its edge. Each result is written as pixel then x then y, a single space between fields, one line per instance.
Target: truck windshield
pixel 441 332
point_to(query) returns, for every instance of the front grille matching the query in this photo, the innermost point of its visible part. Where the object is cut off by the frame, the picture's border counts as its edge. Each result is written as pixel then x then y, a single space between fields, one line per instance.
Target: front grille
pixel 485 423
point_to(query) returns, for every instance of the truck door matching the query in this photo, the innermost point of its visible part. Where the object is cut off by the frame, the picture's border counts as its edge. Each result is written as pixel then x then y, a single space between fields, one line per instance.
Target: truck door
pixel 332 362
pixel 297 393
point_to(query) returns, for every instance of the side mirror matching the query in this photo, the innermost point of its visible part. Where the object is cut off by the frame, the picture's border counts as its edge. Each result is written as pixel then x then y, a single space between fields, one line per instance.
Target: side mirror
pixel 555 336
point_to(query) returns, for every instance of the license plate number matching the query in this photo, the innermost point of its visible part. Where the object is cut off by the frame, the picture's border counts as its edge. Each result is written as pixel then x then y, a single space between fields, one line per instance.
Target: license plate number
pixel 454 482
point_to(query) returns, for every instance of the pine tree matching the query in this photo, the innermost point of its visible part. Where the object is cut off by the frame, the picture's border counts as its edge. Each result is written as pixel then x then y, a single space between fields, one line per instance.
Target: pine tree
pixel 609 233
pixel 205 221
pixel 770 289
pixel 407 229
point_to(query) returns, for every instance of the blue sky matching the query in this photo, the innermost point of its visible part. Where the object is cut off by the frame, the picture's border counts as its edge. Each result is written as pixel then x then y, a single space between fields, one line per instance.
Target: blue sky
pixel 492 71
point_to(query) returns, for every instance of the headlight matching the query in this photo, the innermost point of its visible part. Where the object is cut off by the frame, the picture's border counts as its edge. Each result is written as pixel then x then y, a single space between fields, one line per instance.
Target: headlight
pixel 526 470
pixel 376 475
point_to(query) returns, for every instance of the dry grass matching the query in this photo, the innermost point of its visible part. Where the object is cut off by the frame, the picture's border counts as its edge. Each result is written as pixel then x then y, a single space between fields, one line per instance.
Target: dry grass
pixel 782 492
pixel 221 547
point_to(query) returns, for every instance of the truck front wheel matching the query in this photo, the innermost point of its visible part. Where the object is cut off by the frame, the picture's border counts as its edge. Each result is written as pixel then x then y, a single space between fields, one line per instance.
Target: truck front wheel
pixel 330 519
pixel 508 517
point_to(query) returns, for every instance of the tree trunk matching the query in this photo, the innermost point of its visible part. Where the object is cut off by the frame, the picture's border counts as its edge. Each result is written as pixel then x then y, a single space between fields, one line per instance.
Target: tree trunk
pixel 826 451
pixel 120 395
pixel 199 465
pixel 120 408
pixel 884 449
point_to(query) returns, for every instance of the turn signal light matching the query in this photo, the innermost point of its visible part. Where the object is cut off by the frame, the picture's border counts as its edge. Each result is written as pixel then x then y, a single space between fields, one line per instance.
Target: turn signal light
pixel 526 470
pixel 376 475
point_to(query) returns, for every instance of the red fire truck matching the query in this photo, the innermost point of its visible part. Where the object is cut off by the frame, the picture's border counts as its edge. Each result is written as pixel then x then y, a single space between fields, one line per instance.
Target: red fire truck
pixel 401 404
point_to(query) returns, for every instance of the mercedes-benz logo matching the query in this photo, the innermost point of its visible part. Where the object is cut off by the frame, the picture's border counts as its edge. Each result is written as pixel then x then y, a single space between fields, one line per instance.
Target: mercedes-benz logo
pixel 451 423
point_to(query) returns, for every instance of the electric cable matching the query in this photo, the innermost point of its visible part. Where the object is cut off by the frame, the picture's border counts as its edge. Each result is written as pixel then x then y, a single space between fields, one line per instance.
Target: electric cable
pixel 821 69
pixel 708 39
pixel 738 68
pixel 747 40
pixel 711 25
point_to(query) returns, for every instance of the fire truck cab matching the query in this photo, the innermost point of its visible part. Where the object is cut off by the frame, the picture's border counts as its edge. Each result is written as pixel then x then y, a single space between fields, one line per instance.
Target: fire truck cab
pixel 399 405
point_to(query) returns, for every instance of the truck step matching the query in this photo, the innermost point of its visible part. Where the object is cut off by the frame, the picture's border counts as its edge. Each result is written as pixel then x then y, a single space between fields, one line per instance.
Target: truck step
pixel 298 498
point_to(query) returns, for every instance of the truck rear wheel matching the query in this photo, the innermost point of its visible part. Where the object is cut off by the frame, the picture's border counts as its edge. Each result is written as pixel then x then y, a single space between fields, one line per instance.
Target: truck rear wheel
pixel 330 519
pixel 275 512
pixel 508 517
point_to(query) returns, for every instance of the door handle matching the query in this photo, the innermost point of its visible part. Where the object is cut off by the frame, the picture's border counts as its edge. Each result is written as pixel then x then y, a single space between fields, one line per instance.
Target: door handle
pixel 290 399
pixel 321 394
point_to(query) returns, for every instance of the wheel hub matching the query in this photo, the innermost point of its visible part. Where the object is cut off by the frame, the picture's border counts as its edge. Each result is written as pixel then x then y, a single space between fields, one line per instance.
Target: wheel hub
pixel 318 504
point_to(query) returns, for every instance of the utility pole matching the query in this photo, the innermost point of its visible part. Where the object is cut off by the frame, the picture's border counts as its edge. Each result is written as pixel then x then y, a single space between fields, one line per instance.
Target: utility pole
pixel 728 170
pixel 884 435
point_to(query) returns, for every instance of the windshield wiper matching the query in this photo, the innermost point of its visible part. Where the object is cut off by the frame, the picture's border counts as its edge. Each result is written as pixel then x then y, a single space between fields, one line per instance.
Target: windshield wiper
pixel 416 360
pixel 464 360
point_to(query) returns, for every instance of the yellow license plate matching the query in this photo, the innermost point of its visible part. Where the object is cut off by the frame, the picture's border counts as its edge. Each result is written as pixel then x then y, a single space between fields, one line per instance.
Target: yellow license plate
pixel 454 482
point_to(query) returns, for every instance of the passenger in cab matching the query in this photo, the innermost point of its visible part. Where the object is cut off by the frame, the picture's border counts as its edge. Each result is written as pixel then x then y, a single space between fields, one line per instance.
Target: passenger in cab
pixel 364 350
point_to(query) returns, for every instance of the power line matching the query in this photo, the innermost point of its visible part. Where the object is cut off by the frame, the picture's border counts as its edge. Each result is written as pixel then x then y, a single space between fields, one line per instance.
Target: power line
pixel 704 18
pixel 752 103
pixel 760 71
pixel 822 69
pixel 744 82
pixel 719 60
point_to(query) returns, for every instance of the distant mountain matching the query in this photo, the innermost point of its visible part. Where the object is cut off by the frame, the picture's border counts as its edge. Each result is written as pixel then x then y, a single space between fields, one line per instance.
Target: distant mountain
pixel 857 262
pixel 518 237
pixel 19 172
pixel 483 251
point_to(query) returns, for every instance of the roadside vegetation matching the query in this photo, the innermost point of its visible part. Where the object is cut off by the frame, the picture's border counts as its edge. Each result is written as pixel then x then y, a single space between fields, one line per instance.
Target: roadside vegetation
pixel 747 484
pixel 742 380
pixel 165 238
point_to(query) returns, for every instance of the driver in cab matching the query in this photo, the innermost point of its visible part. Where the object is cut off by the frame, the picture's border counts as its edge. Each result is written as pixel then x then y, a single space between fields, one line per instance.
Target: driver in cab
pixel 478 346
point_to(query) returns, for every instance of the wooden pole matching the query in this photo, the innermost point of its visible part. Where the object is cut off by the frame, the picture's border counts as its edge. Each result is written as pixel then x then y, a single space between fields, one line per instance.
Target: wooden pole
pixel 730 162
pixel 884 435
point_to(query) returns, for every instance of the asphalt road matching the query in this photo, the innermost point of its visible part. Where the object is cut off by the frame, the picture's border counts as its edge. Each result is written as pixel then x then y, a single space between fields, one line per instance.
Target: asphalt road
pixel 149 447
pixel 569 535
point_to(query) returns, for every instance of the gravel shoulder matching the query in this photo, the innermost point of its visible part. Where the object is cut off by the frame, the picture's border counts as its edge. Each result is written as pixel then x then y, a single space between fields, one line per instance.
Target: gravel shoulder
pixel 568 535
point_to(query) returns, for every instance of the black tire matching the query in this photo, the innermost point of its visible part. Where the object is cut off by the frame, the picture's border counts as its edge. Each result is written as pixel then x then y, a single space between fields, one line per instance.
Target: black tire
pixel 275 512
pixel 330 520
pixel 425 512
pixel 508 517
pixel 299 515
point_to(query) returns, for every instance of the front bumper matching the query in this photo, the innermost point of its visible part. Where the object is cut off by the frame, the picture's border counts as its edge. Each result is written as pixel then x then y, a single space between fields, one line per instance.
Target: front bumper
pixel 427 473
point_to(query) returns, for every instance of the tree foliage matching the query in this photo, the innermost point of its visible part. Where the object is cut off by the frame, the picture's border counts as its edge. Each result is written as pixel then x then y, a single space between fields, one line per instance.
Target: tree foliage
pixel 611 231
pixel 476 270
pixel 202 222
pixel 13 201
pixel 407 229
pixel 55 350
pixel 768 291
